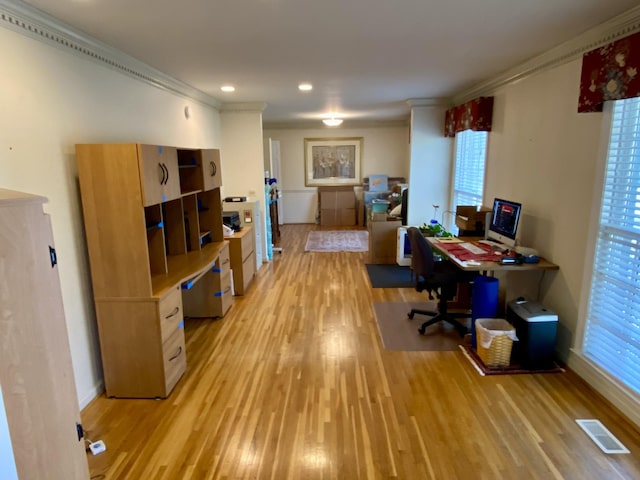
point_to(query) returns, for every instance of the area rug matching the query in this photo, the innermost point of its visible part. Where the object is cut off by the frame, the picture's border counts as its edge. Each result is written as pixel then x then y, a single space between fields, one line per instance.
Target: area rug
pixel 337 241
pixel 390 276
pixel 399 333
pixel 483 370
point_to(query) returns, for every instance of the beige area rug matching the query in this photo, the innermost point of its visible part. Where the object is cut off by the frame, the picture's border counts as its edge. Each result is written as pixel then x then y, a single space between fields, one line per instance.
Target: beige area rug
pixel 337 241
pixel 399 333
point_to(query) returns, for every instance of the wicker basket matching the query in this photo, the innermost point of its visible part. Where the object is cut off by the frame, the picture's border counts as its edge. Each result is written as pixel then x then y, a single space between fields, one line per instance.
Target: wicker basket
pixel 501 335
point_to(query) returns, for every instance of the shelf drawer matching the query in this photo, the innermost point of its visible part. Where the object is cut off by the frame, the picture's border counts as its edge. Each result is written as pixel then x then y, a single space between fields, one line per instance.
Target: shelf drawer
pixel 223 263
pixel 247 245
pixel 175 359
pixel 209 296
pixel 170 309
pixel 248 271
pixel 223 300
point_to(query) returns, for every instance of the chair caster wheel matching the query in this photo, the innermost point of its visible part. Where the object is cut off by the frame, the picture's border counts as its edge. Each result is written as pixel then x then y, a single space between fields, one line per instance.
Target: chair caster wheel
pixel 421 331
pixel 410 315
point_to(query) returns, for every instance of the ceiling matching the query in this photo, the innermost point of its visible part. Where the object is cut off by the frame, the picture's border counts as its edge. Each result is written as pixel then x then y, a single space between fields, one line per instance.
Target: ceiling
pixel 365 58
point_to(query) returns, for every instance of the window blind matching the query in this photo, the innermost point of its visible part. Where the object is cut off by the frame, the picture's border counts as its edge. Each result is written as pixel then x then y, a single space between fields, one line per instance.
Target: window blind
pixel 612 334
pixel 468 175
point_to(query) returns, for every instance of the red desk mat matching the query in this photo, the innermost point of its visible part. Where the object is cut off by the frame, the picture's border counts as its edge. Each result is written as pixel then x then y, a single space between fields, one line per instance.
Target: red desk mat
pixel 462 254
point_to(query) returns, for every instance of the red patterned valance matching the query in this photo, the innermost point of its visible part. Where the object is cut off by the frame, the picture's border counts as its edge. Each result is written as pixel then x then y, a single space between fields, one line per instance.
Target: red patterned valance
pixel 610 73
pixel 475 115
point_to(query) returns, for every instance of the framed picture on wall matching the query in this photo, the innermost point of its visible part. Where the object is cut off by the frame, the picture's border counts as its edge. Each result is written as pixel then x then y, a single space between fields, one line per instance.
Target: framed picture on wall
pixel 332 161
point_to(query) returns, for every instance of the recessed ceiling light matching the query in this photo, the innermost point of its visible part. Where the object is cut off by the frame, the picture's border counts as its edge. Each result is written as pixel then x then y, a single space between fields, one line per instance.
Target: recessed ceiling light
pixel 305 87
pixel 228 88
pixel 332 122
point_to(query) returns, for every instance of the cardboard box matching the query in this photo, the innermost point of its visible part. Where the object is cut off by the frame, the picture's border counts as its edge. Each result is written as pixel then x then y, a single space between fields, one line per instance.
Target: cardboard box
pixel 378 183
pixel 379 216
pixel 330 217
pixel 336 197
pixel 470 217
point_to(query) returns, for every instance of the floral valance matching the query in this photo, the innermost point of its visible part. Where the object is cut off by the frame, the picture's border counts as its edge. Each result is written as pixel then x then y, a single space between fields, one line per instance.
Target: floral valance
pixel 610 73
pixel 475 115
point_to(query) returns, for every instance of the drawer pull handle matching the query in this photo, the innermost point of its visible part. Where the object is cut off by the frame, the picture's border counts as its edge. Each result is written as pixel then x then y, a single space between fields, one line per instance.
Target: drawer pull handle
pixel 163 173
pixel 173 313
pixel 166 180
pixel 176 355
pixel 222 293
pixel 52 256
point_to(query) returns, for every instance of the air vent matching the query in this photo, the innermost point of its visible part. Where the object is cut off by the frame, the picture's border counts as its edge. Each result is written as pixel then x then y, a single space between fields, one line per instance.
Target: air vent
pixel 603 437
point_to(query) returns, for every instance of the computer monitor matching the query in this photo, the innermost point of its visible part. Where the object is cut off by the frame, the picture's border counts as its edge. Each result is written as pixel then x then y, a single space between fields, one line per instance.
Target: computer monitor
pixel 503 222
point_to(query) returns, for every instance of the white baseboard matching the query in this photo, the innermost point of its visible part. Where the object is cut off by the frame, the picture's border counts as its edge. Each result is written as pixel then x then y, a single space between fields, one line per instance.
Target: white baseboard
pixel 93 393
pixel 627 401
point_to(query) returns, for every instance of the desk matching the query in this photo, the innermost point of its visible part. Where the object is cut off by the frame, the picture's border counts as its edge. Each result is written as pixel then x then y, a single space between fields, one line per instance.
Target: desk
pixel 488 266
pixel 511 286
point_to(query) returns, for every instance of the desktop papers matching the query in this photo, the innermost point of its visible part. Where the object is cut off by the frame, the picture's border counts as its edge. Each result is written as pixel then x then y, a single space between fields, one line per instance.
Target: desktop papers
pixel 449 240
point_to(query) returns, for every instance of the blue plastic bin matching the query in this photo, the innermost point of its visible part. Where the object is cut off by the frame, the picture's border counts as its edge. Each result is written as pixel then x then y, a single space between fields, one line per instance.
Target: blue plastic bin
pixel 484 301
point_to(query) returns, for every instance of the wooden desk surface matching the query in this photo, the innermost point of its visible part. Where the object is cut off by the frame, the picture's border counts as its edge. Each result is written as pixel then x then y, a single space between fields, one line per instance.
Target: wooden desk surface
pixel 490 266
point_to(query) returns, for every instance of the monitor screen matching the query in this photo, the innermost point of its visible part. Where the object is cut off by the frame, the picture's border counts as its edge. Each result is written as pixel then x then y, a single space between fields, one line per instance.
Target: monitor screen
pixel 504 221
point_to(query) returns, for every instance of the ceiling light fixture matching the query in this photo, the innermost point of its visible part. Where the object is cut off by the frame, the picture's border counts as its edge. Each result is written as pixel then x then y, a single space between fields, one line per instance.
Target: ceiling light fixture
pixel 228 88
pixel 305 87
pixel 332 122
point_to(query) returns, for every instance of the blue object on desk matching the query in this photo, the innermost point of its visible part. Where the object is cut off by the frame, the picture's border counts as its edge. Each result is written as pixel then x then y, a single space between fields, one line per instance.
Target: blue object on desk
pixel 484 301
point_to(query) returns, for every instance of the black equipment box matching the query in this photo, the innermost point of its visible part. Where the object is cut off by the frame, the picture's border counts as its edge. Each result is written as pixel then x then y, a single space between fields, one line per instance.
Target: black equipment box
pixel 536 329
pixel 232 220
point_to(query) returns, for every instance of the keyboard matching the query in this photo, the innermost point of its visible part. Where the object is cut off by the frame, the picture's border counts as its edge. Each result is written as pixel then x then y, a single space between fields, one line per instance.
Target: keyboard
pixel 470 247
pixel 493 244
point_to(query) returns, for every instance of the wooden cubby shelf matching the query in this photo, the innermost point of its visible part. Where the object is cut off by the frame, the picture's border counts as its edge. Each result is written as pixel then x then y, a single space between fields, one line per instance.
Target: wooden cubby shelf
pixel 153 222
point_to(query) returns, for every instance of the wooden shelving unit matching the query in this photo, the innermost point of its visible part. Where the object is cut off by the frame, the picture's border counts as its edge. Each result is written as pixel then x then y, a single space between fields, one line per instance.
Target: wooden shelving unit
pixel 153 221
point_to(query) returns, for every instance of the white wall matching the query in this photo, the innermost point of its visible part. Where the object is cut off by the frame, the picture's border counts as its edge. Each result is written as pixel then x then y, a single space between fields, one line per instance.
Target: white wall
pixel 385 151
pixel 243 160
pixel 543 154
pixel 49 101
pixel 430 165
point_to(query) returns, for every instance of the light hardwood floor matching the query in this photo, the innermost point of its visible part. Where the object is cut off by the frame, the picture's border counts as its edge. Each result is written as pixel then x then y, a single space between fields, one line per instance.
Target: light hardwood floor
pixel 293 383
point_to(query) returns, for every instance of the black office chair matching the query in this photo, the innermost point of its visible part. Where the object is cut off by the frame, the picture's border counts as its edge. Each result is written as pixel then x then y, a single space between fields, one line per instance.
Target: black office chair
pixel 439 278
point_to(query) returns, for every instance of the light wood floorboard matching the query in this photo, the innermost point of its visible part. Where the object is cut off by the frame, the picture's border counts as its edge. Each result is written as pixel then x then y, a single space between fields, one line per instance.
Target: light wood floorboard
pixel 293 383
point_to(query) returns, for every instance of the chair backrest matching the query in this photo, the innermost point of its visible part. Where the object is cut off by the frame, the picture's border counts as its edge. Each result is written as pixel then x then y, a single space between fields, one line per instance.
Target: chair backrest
pixel 404 206
pixel 421 254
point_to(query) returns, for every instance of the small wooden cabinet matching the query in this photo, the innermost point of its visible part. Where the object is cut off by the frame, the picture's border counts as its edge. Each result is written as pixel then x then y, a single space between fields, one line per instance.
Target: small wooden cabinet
pixel 153 223
pixel 243 261
pixel 383 241
pixel 36 375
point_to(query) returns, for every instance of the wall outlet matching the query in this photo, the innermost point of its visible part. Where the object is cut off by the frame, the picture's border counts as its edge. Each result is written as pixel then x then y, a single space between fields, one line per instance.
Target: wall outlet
pixel 97 447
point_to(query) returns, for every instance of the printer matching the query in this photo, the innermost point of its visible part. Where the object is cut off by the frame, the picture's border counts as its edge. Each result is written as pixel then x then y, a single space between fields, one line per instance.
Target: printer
pixel 232 220
pixel 536 329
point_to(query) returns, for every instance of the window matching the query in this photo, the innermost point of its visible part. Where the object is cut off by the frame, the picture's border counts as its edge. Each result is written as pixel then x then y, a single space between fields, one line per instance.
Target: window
pixel 468 170
pixel 612 330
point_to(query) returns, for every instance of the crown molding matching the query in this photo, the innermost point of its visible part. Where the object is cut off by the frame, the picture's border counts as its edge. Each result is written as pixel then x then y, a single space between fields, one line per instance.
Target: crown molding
pixel 29 21
pixel 243 107
pixel 428 102
pixel 614 29
pixel 347 125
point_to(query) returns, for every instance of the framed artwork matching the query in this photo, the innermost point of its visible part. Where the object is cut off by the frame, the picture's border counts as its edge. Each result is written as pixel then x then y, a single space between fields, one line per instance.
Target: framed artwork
pixel 332 161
